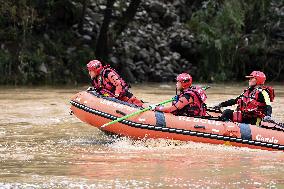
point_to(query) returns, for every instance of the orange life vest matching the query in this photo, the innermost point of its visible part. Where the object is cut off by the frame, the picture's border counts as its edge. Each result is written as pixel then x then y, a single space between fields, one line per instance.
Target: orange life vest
pixel 106 87
pixel 195 108
pixel 249 104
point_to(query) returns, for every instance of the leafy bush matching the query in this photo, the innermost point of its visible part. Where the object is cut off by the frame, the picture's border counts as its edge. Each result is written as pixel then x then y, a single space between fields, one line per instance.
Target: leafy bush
pixel 218 27
pixel 235 38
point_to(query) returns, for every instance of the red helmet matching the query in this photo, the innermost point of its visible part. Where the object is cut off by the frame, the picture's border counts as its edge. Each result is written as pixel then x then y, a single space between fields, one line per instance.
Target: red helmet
pixel 185 79
pixel 95 65
pixel 259 76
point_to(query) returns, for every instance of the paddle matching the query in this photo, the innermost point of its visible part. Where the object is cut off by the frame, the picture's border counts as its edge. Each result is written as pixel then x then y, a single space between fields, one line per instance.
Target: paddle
pixel 143 110
pixel 276 123
pixel 137 112
pixel 211 109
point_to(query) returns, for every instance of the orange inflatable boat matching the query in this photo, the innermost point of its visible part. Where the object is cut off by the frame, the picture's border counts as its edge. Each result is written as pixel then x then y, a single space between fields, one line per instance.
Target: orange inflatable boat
pixel 96 110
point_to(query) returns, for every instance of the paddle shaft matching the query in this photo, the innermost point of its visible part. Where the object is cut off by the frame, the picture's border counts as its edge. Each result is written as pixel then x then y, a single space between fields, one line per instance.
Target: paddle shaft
pixel 135 113
pixel 209 109
pixel 143 110
pixel 277 123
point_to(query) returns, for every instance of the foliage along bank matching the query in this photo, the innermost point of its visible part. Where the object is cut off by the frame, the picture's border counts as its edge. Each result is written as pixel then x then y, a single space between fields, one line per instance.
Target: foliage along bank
pixel 49 42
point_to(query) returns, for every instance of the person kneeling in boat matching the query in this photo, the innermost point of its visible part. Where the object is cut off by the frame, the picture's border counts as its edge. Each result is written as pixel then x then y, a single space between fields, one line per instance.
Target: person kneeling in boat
pixel 190 101
pixel 253 105
pixel 107 82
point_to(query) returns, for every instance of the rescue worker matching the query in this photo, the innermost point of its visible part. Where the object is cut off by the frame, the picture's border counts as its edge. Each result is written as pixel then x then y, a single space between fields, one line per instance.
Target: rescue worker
pixel 253 105
pixel 107 82
pixel 190 101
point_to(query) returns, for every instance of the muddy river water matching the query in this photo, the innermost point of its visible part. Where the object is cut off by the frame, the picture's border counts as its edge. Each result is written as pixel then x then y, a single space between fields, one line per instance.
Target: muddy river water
pixel 42 146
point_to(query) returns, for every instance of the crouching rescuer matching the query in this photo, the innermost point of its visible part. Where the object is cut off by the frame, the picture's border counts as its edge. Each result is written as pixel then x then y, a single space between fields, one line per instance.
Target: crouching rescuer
pixel 107 82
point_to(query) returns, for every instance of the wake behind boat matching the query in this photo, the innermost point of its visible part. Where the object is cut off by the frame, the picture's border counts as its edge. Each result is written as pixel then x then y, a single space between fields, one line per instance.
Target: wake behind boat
pixel 97 110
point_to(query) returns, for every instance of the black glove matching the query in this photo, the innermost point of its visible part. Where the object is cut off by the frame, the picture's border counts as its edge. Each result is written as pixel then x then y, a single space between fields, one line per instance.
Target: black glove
pixel 267 119
pixel 175 98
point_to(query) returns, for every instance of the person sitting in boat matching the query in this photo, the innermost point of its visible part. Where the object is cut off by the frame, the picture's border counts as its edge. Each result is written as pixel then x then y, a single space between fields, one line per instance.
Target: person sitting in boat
pixel 190 101
pixel 253 105
pixel 107 82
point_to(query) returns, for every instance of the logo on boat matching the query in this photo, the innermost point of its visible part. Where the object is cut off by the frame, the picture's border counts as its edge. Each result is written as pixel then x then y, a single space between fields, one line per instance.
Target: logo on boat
pixel 266 139
pixel 198 120
pixel 117 105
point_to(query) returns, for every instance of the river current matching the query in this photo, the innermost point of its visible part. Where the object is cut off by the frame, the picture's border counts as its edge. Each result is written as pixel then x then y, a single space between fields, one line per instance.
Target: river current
pixel 42 146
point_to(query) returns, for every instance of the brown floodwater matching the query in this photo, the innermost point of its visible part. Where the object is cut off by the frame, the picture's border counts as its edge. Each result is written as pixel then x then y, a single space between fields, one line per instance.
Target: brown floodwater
pixel 42 146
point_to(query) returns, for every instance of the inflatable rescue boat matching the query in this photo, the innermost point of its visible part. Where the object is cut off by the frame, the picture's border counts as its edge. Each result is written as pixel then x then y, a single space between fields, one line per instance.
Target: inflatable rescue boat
pixel 97 110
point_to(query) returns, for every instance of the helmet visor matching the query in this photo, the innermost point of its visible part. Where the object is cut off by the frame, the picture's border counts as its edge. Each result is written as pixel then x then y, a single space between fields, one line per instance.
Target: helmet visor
pixel 249 76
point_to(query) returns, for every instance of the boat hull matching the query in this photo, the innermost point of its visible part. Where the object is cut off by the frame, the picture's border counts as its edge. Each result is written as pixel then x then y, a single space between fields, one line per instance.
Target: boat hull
pixel 96 111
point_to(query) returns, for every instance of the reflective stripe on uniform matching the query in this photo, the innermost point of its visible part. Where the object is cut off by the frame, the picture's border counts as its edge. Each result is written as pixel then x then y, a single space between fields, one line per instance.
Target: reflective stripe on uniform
pixel 266 97
pixel 258 120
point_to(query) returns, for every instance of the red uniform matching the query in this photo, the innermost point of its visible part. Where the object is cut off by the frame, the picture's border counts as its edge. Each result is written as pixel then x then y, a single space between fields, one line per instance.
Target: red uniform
pixel 254 104
pixel 250 103
pixel 109 83
pixel 190 102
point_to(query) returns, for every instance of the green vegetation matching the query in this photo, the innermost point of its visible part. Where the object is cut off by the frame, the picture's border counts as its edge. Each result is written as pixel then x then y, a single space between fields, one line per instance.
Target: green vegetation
pixel 38 44
pixel 41 42
pixel 219 30
pixel 235 37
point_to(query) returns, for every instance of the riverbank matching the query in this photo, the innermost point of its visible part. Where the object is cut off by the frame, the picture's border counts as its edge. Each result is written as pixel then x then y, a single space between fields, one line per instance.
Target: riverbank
pixel 50 43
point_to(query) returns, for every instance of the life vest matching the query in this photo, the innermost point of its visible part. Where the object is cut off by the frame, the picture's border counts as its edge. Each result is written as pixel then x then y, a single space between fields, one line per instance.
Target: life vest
pixel 195 108
pixel 249 104
pixel 105 87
